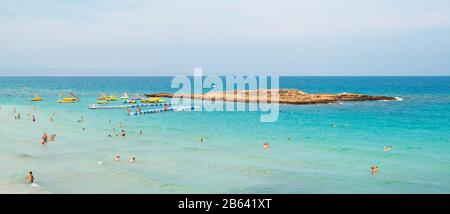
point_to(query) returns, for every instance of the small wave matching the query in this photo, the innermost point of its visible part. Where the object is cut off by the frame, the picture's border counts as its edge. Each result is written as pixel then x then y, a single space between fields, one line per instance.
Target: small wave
pixel 398 99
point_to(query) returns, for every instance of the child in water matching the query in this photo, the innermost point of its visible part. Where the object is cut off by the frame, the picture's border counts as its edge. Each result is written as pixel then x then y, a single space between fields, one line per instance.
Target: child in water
pixel 30 178
pixel 387 148
pixel 132 160
pixel 374 169
pixel 52 137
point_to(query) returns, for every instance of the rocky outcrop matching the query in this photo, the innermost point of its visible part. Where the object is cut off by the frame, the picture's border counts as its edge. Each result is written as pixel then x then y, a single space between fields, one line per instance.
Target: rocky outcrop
pixel 285 96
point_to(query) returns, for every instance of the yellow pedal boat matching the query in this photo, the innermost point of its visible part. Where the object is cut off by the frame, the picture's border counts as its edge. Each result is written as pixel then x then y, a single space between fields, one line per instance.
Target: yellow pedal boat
pixel 68 100
pixel 37 99
pixel 153 100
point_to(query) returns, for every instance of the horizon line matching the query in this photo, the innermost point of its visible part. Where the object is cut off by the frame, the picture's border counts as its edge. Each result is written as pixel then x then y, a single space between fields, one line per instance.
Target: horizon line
pixel 2 76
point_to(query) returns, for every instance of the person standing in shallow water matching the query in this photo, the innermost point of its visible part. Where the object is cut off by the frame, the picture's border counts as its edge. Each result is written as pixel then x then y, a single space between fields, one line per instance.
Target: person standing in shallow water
pixel 44 138
pixel 30 178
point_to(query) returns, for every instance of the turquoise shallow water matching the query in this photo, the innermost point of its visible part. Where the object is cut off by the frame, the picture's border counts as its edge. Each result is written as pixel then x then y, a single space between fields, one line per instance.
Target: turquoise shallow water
pixel 331 149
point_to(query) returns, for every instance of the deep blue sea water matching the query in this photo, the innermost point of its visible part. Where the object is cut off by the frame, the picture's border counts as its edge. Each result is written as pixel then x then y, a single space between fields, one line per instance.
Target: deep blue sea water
pixel 331 149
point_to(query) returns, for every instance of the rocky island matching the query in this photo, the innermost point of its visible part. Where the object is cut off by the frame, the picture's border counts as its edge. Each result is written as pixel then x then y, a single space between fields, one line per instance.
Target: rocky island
pixel 285 96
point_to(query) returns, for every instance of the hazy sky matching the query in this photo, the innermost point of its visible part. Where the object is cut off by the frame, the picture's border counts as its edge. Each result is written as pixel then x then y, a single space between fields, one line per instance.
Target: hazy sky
pixel 166 37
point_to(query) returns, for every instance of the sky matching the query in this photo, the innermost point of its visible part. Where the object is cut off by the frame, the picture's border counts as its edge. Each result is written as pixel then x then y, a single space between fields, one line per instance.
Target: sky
pixel 171 37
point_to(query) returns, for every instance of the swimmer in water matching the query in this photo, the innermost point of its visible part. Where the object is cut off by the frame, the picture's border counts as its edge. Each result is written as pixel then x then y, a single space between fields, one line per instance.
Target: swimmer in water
pixel 289 139
pixel 30 178
pixel 387 148
pixel 374 169
pixel 52 137
pixel 34 119
pixel 140 132
pixel 44 138
pixel 123 133
pixel 201 140
pixel 266 146
pixel 117 158
pixel 109 135
pixel 132 160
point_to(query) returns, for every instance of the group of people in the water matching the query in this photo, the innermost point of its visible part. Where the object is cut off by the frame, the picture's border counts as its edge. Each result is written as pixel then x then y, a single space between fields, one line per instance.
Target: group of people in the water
pixel 374 169
pixel 18 116
pixel 131 160
pixel 123 133
pixel 46 138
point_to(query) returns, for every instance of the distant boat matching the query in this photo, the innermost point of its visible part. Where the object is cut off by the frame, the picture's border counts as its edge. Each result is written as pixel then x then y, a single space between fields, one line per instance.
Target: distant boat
pixel 152 100
pixel 130 101
pixel 125 96
pixel 72 99
pixel 37 98
pixel 68 100
pixel 105 97
pixel 136 97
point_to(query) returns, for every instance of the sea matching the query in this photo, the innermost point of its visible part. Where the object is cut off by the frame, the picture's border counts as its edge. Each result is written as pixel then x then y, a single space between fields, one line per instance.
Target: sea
pixel 325 148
